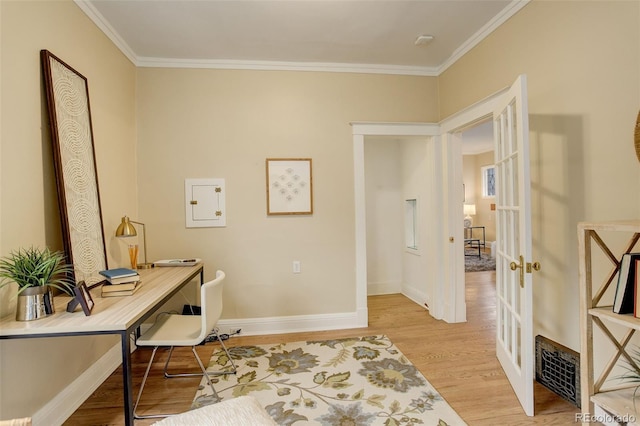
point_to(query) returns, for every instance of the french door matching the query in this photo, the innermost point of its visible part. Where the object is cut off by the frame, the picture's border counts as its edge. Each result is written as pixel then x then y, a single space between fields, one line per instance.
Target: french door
pixel 514 343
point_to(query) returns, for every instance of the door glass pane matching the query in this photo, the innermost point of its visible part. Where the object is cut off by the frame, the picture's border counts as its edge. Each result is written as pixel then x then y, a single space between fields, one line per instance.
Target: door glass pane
pixel 516 178
pixel 502 328
pixel 518 346
pixel 507 131
pixel 508 183
pixel 501 140
pixel 514 127
pixel 499 185
pixel 511 227
pixel 516 293
pixel 507 328
pixel 516 233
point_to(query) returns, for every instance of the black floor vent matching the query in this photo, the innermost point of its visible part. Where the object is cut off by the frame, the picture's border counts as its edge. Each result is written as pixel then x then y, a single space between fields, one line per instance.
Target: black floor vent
pixel 558 369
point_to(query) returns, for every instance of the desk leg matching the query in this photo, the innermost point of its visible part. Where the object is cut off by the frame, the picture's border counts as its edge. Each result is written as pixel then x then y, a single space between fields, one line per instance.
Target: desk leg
pixel 127 380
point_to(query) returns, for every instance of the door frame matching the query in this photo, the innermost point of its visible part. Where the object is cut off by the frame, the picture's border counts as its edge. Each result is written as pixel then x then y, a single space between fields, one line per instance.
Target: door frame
pixel 360 131
pixel 449 289
pixel 453 290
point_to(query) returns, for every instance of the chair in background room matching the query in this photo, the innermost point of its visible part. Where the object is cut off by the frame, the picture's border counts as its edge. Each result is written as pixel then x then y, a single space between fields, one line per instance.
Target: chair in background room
pixel 187 330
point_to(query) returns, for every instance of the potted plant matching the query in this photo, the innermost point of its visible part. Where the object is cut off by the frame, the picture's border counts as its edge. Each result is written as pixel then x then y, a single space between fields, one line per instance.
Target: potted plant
pixel 37 272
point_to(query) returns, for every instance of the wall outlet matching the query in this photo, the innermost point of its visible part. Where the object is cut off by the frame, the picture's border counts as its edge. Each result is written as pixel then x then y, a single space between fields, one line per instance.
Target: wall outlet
pixel 296 266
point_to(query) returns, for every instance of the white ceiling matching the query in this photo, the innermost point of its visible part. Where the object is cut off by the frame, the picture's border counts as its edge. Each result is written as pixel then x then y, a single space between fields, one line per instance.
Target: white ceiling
pixel 335 35
pixel 372 36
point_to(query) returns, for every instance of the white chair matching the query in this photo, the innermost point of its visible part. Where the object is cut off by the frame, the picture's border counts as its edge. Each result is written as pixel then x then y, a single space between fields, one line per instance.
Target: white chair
pixel 187 330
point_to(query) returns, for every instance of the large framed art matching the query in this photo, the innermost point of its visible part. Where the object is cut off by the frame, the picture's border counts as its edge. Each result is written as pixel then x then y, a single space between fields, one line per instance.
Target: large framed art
pixel 67 94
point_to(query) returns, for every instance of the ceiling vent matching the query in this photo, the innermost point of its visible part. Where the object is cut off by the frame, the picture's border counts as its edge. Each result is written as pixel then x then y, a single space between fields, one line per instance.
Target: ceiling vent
pixel 423 40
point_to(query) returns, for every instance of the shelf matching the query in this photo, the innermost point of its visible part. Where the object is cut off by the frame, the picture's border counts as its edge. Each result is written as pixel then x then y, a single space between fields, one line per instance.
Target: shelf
pixel 615 225
pixel 626 320
pixel 619 403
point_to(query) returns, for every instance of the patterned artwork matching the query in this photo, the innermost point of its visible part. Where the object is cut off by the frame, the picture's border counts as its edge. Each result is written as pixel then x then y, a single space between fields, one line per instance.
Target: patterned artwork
pixel 354 381
pixel 289 186
pixel 69 113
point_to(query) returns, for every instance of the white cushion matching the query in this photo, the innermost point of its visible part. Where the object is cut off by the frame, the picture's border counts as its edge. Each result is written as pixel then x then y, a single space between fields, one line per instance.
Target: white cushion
pixel 241 411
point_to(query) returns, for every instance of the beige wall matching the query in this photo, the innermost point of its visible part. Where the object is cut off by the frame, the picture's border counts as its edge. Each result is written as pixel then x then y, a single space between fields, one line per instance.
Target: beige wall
pixel 582 61
pixel 224 124
pixel 36 370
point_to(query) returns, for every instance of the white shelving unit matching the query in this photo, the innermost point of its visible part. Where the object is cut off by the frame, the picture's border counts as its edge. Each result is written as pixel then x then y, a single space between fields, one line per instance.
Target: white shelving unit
pixel 617 402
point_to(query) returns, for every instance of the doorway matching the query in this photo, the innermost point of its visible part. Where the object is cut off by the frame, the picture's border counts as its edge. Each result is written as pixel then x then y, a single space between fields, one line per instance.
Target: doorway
pixel 399 181
pixel 371 131
pixel 479 196
pixel 448 288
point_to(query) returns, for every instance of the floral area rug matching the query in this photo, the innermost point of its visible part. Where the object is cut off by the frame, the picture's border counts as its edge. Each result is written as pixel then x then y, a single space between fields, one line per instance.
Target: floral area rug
pixel 356 381
pixel 473 263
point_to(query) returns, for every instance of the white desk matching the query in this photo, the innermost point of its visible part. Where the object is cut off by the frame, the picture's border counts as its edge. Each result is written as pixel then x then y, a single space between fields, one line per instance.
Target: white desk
pixel 110 315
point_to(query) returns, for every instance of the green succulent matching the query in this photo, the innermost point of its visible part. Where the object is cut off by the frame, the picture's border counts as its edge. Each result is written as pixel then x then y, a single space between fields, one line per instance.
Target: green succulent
pixel 35 267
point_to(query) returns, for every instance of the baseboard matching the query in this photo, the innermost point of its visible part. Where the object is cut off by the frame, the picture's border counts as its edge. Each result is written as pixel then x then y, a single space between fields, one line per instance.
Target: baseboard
pixel 419 297
pixel 293 324
pixel 60 408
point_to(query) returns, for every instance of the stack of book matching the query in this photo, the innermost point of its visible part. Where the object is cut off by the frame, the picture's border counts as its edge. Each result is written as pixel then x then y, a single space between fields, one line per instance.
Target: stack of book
pixel 120 282
pixel 627 296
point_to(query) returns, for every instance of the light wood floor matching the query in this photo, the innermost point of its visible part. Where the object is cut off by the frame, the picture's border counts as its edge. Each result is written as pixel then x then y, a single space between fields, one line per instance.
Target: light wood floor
pixel 458 359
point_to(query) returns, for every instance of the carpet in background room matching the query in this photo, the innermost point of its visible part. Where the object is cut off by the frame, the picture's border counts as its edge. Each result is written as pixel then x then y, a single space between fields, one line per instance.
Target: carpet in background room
pixel 358 381
pixel 473 263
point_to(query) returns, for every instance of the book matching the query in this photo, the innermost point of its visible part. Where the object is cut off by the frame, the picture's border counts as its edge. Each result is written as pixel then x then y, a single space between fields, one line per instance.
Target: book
pixel 116 273
pixel 108 288
pixel 624 299
pixel 121 292
pixel 123 280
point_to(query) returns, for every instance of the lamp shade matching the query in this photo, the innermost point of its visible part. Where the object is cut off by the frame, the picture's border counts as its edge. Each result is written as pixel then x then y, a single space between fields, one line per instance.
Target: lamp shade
pixel 126 228
pixel 469 209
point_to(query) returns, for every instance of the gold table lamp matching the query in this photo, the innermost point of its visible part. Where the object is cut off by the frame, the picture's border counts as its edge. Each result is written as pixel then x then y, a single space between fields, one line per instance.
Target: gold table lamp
pixel 126 229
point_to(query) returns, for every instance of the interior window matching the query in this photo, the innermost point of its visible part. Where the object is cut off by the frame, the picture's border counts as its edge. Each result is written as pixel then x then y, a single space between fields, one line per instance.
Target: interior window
pixel 488 181
pixel 410 232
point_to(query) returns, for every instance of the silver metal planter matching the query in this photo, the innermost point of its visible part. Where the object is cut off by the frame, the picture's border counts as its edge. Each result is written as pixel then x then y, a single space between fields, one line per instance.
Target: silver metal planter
pixel 35 303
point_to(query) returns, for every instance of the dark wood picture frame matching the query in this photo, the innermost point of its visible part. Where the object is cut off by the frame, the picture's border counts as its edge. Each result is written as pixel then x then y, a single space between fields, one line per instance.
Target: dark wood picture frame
pixel 67 94
pixel 82 297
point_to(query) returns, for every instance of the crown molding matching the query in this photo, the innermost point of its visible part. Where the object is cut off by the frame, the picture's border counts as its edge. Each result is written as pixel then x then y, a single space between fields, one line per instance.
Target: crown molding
pixel 514 7
pixel 147 62
pixel 284 66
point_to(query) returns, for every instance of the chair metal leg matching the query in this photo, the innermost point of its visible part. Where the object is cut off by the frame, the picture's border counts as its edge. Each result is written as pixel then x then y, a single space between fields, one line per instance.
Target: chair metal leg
pixel 233 364
pixel 144 381
pixel 146 374
pixel 214 373
pixel 204 372
pixel 171 375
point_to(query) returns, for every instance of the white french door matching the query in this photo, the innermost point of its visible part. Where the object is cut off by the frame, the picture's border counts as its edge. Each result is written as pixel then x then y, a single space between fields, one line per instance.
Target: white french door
pixel 514 343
